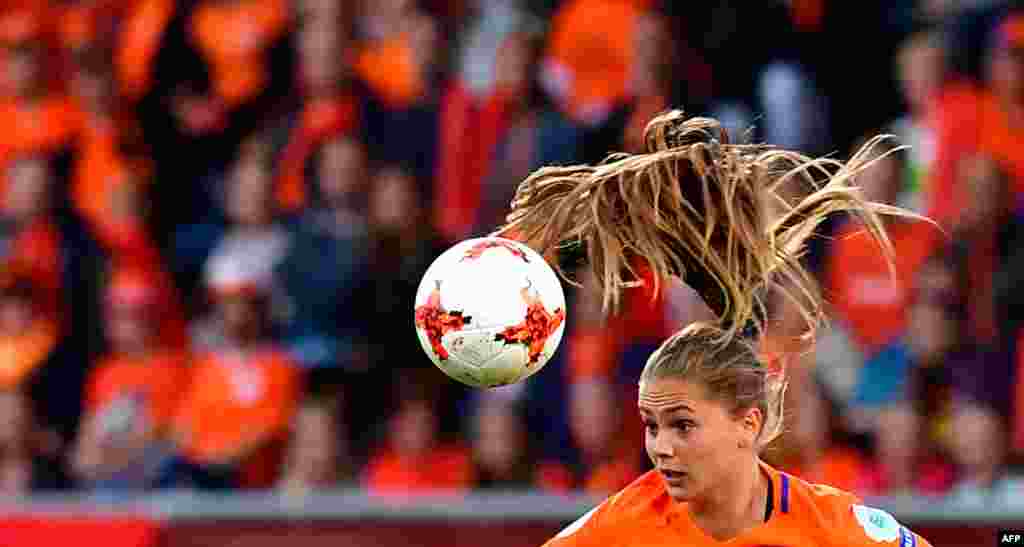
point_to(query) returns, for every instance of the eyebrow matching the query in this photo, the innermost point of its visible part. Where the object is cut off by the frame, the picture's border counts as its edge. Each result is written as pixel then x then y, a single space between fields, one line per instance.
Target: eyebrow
pixel 669 410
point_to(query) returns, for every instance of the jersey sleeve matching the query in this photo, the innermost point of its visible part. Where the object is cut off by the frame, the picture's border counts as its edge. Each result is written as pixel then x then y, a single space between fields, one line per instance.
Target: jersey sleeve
pixel 865 526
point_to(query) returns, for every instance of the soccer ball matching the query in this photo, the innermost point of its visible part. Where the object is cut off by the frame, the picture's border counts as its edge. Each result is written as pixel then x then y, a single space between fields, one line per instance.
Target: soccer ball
pixel 490 312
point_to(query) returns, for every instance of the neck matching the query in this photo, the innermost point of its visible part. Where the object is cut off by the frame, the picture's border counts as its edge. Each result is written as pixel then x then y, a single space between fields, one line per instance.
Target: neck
pixel 255 228
pixel 30 97
pixel 324 93
pixel 1014 110
pixel 244 340
pixel 735 506
pixel 595 458
pixel 136 350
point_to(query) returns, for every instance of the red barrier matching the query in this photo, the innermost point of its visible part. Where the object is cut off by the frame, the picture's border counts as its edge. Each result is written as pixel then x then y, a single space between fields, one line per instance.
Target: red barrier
pixel 369 534
pixel 323 534
pixel 27 531
pixel 137 532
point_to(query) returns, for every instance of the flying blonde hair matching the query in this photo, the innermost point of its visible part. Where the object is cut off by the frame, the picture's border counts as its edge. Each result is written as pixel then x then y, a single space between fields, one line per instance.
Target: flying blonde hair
pixel 694 206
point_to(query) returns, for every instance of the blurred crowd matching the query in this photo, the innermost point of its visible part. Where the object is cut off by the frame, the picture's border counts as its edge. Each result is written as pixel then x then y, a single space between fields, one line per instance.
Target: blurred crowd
pixel 214 215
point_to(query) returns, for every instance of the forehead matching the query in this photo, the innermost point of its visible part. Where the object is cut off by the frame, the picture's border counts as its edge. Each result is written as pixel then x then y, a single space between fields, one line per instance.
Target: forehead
pixel 659 394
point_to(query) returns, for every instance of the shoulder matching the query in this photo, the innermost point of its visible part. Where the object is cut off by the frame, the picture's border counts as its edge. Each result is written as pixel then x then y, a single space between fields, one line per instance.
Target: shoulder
pixel 865 525
pixel 172 359
pixel 106 366
pixel 627 512
pixel 846 520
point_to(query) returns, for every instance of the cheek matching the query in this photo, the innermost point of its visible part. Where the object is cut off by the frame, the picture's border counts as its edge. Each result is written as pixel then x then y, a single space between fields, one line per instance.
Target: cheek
pixel 712 452
pixel 698 445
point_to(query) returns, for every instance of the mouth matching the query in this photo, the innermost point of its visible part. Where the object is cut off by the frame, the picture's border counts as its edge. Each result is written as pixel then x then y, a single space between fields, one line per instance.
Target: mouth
pixel 672 477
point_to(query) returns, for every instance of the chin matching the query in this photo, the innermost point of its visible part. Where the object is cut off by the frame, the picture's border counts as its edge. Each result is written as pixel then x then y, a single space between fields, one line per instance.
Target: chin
pixel 680 493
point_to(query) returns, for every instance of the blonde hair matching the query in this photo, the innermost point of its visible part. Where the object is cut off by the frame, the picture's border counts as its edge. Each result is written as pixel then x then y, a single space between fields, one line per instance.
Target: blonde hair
pixel 721 217
pixel 731 372
pixel 693 206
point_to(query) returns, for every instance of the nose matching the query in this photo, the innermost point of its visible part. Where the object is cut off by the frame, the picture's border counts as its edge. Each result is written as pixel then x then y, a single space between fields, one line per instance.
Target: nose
pixel 661 447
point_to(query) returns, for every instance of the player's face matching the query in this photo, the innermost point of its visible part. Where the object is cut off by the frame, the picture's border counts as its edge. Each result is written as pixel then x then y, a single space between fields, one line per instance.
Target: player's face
pixel 692 440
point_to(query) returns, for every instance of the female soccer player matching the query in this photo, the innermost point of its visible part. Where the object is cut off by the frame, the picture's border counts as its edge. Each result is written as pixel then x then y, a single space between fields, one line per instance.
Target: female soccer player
pixel 697 207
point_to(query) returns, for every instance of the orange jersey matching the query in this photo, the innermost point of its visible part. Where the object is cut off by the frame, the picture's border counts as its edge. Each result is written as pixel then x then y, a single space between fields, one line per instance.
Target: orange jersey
pixel 803 515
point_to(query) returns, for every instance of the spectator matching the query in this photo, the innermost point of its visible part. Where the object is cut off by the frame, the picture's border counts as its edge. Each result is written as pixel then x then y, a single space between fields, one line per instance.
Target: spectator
pixel 243 70
pixel 329 108
pixel 318 458
pixel 403 247
pixel 983 480
pixel 28 333
pixel 505 455
pixel 982 122
pixel 902 463
pixel 589 57
pixel 817 447
pixel 938 345
pixel 28 227
pixel 606 463
pixel 243 393
pixel 408 127
pixel 132 393
pixel 868 301
pixel 253 233
pixel 920 68
pixel 145 33
pixel 980 243
pixel 41 120
pixel 24 467
pixel 489 142
pixel 399 70
pixel 649 83
pixel 414 460
pixel 308 11
pixel 94 90
pixel 84 24
pixel 324 270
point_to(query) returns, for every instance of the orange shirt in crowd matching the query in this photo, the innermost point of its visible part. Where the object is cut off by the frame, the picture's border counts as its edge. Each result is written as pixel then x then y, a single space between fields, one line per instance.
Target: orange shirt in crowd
pixel 590 53
pixel 971 121
pixel 447 469
pixel 999 140
pixel 31 23
pixel 96 167
pixel 23 353
pixel 237 405
pixel 158 379
pixel 38 248
pixel 840 467
pixel 141 31
pixel 142 274
pixel 602 480
pixel 858 282
pixel 388 67
pixel 43 127
pixel 803 515
pixel 470 133
pixel 79 24
pixel 596 346
pixel 320 120
pixel 234 38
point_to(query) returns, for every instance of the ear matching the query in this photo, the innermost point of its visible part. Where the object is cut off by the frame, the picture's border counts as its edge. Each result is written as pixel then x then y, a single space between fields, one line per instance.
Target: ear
pixel 749 425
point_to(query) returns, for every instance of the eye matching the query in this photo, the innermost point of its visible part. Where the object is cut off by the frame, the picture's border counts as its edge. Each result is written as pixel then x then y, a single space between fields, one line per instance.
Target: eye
pixel 650 426
pixel 683 425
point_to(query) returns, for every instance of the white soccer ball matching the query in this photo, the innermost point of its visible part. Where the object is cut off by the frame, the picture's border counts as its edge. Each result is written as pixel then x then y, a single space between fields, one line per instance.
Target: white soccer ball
pixel 490 312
